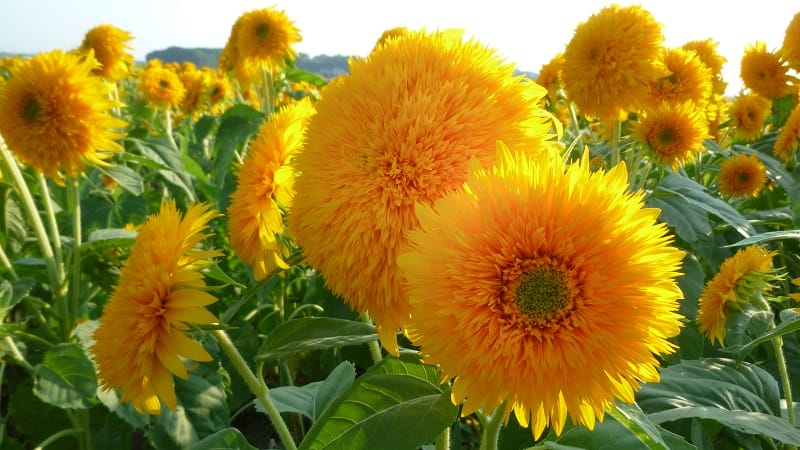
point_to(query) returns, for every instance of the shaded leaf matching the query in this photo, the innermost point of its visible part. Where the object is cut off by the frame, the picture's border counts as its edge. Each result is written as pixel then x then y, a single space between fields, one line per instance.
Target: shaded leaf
pixel 66 377
pixel 314 333
pixel 227 439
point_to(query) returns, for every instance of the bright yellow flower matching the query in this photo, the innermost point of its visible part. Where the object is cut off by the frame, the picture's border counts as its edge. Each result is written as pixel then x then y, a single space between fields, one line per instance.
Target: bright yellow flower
pixel 110 46
pixel 742 176
pixel 789 136
pixel 194 99
pixel 747 115
pixel 143 330
pixel 56 116
pixel 161 86
pixel 550 77
pixel 765 73
pixel 689 79
pixel 265 190
pixel 790 50
pixel 739 277
pixel 546 286
pixel 707 52
pixel 220 92
pixel 673 132
pixel 611 61
pixel 397 132
pixel 391 33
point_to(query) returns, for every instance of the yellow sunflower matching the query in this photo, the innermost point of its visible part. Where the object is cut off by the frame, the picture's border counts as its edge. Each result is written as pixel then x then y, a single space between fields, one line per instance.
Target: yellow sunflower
pixel 742 275
pixel 790 50
pixel 391 33
pixel 747 114
pixel 396 132
pixel 742 176
pixel 56 115
pixel 689 79
pixel 161 86
pixel 673 132
pixel 110 46
pixel 611 61
pixel 220 92
pixel 265 37
pixel 196 84
pixel 764 73
pixel 265 190
pixel 552 281
pixel 550 77
pixel 143 330
pixel 789 136
pixel 706 50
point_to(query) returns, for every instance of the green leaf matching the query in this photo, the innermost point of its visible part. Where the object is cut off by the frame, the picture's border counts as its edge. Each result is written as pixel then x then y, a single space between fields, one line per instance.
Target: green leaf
pixel 13 228
pixel 396 404
pixel 767 236
pixel 227 439
pixel 742 326
pixel 297 75
pixel 696 194
pixel 748 422
pixel 120 236
pixel 790 324
pixel 611 435
pixel 66 378
pixel 165 154
pixel 126 178
pixel 314 333
pixel 781 108
pixel 339 380
pixel 12 294
pixel 632 418
pixel 218 274
pixel 236 125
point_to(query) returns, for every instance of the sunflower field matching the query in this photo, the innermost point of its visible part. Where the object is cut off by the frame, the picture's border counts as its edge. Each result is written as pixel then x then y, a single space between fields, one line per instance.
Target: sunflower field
pixel 430 251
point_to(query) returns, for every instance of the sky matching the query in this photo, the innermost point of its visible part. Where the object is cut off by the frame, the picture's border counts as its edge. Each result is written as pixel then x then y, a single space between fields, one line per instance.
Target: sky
pixel 527 33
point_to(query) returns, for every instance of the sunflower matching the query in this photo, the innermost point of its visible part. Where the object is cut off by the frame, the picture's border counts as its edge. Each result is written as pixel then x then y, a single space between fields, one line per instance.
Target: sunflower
pixel 611 61
pixel 110 46
pixel 220 92
pixel 396 132
pixel 740 277
pixel 552 281
pixel 789 136
pixel 56 115
pixel 741 176
pixel 161 86
pixel 747 114
pixel 391 33
pixel 265 37
pixel 550 77
pixel 673 132
pixel 689 79
pixel 265 189
pixel 196 84
pixel 790 50
pixel 764 73
pixel 706 50
pixel 142 334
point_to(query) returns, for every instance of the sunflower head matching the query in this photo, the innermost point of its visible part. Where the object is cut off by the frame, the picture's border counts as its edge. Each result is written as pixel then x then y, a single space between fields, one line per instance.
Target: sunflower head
pixel 263 38
pixel 265 190
pixel 550 77
pixel 764 73
pixel 747 114
pixel 611 61
pixel 391 33
pixel 790 50
pixel 672 132
pixel 742 176
pixel 110 46
pixel 161 86
pixel 742 280
pixel 396 132
pixel 220 92
pixel 57 115
pixel 194 98
pixel 144 329
pixel 536 274
pixel 789 136
pixel 689 80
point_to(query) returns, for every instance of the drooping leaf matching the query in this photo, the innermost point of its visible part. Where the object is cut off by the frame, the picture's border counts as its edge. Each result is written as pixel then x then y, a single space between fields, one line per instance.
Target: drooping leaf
pixel 767 236
pixel 66 377
pixel 789 324
pixel 226 439
pixel 126 178
pixel 314 333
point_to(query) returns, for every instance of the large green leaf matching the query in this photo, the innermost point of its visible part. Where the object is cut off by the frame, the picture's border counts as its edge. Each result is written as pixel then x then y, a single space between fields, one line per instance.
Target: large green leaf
pixel 768 236
pixel 790 323
pixel 236 125
pixel 314 333
pixel 126 178
pixel 66 377
pixel 396 405
pixel 227 439
pixel 311 399
pixel 169 158
pixel 12 293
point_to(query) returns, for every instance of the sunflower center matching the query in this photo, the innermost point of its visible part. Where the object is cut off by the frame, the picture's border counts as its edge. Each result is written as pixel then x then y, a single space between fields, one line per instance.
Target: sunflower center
pixel 666 136
pixel 163 84
pixel 743 177
pixel 32 110
pixel 262 31
pixel 542 292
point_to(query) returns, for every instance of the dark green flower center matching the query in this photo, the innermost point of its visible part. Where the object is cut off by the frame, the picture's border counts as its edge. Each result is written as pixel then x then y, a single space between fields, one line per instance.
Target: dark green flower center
pixel 262 31
pixel 163 84
pixel 666 136
pixel 32 110
pixel 542 292
pixel 743 177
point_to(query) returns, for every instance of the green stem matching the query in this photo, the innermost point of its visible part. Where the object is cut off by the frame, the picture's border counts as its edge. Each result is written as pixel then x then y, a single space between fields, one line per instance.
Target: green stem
pixel 269 102
pixel 780 359
pixel 55 235
pixel 443 440
pixel 168 127
pixel 491 428
pixel 77 242
pixel 83 419
pixel 374 346
pixel 56 279
pixel 615 138
pixel 17 355
pixel 33 338
pixel 56 436
pixel 257 387
pixel 7 264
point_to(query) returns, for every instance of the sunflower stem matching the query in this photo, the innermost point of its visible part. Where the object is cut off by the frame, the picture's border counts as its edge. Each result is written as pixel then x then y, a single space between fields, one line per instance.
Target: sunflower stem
pixel 55 235
pixel 443 440
pixel 780 359
pixel 168 127
pixel 492 423
pixel 56 279
pixel 7 264
pixel 268 105
pixel 75 196
pixel 374 346
pixel 17 355
pixel 257 386
pixel 615 138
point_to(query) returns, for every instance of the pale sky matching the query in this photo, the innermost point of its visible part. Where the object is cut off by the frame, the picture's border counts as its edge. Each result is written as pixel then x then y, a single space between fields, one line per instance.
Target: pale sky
pixel 527 33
